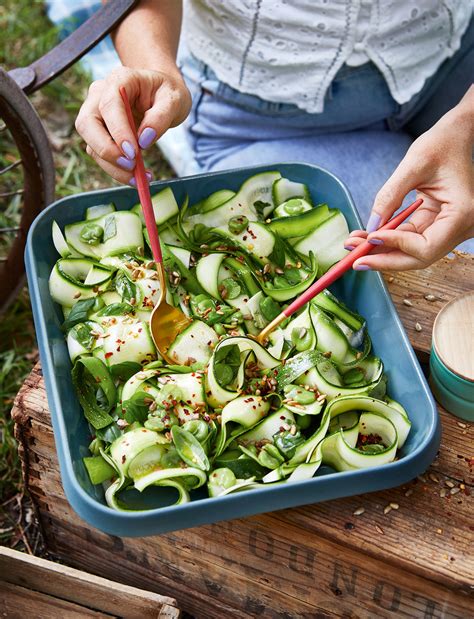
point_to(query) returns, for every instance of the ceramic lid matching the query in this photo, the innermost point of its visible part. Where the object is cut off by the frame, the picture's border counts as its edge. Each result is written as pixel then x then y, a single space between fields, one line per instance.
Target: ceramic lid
pixel 453 336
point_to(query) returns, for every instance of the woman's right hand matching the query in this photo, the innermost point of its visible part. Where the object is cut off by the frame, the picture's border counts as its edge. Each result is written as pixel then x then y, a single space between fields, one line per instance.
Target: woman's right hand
pixel 158 100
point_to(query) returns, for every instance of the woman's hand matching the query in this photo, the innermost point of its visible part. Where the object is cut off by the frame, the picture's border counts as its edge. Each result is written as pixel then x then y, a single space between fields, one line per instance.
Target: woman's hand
pixel 159 101
pixel 439 166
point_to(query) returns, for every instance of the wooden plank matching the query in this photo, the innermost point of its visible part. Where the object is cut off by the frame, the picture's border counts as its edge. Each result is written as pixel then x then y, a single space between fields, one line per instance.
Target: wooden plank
pixel 262 568
pixel 445 280
pixel 71 540
pixel 17 603
pixel 72 585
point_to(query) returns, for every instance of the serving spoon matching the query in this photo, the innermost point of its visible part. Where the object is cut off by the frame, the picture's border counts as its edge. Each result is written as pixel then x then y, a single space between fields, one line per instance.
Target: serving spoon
pixel 166 321
pixel 334 273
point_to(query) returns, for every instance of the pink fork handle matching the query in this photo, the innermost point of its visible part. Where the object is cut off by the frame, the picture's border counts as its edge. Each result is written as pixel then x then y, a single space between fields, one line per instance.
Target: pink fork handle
pixel 346 263
pixel 143 187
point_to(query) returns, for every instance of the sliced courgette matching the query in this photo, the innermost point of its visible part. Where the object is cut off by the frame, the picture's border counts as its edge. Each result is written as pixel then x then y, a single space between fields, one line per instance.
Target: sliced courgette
pixel 326 241
pixel 194 344
pixel 256 189
pixel 283 189
pixel 93 212
pixel 296 226
pixel 165 207
pixel 67 280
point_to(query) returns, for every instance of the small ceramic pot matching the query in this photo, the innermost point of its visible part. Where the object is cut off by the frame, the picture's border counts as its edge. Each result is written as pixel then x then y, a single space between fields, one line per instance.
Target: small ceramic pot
pixel 452 357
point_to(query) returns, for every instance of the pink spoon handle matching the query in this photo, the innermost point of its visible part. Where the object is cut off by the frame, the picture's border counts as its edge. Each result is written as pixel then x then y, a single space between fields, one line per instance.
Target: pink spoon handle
pixel 336 271
pixel 143 187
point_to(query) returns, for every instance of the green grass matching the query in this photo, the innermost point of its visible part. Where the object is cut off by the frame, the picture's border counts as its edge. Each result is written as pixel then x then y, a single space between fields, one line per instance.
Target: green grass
pixel 17 354
pixel 26 34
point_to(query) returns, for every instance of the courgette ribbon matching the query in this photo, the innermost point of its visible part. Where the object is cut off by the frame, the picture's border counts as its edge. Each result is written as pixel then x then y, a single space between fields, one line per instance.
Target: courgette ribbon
pixel 339 449
pixel 92 380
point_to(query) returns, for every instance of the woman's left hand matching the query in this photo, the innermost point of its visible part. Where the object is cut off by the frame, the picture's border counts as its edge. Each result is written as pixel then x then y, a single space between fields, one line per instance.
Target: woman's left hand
pixel 439 166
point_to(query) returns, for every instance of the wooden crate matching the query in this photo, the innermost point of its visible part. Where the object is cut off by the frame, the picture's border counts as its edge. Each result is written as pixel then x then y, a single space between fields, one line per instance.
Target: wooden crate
pixel 320 560
pixel 33 587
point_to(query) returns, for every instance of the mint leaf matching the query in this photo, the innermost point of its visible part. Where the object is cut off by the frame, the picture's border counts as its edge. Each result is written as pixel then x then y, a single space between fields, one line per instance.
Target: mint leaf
pixel 126 288
pixel 79 313
pixel 110 227
pixel 116 309
pixel 82 333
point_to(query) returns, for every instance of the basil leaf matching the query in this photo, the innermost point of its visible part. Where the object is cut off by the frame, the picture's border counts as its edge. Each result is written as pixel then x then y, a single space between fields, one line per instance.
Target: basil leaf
pixel 260 206
pixel 124 371
pixel 110 227
pixel 209 310
pixel 125 287
pixel 136 408
pixel 278 254
pixel 226 364
pixel 95 390
pixel 287 442
pixel 224 374
pixel 189 448
pixel 82 333
pixel 229 354
pixel 117 309
pixel 293 276
pixel 79 313
pixel 109 433
pixel 269 308
pixel 380 389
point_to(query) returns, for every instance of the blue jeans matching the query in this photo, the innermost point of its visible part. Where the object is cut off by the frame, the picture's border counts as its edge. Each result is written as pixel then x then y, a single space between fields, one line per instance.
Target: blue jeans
pixel 361 136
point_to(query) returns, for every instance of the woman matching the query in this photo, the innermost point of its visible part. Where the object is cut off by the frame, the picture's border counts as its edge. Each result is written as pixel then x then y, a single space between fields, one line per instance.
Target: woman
pixel 347 85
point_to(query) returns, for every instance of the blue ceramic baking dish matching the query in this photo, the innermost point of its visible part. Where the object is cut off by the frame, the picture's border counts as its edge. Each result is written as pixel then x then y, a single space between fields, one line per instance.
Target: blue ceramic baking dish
pixel 365 292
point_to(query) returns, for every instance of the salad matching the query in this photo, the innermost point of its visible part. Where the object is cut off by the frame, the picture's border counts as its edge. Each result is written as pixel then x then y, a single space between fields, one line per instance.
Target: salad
pixel 229 414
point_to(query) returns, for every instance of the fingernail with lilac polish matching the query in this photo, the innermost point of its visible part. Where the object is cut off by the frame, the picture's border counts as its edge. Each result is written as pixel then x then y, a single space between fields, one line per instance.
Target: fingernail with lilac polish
pixel 362 267
pixel 349 247
pixel 373 223
pixel 133 182
pixel 125 163
pixel 376 241
pixel 128 149
pixel 147 137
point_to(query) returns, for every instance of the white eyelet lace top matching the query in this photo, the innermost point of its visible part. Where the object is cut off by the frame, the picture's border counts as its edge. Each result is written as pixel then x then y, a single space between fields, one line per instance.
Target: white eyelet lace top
pixel 288 51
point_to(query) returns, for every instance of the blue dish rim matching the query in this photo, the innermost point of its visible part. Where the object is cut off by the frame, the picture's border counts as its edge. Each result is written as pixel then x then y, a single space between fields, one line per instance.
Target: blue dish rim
pixel 394 474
